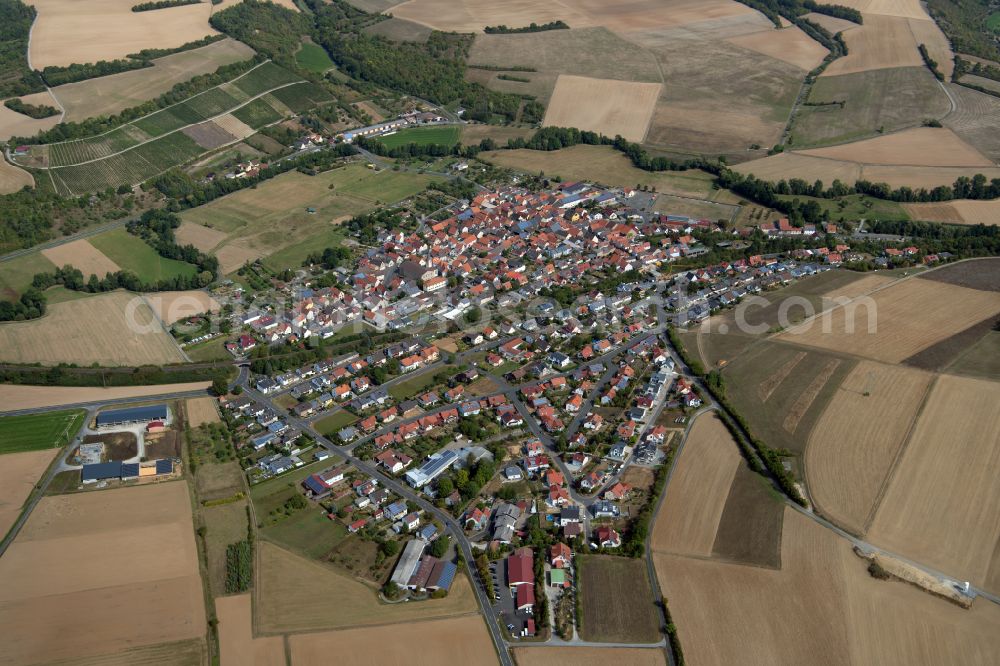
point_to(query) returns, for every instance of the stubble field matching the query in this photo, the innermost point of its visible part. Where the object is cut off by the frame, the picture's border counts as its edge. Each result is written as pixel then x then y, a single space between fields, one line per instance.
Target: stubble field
pixel 581 656
pixel 907 317
pixel 922 146
pixel 16 396
pixel 13 178
pixel 66 32
pixel 460 640
pixel 172 306
pixel 18 475
pixel 689 518
pixel 86 565
pixel 961 211
pixel 236 642
pixel 116 328
pixel 615 107
pixel 857 440
pixel 81 254
pixel 942 505
pixel 13 123
pixel 200 411
pixel 820 608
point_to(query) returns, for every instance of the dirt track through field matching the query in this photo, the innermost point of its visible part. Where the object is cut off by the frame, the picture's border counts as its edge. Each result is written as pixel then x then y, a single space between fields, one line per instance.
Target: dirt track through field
pixel 697 494
pixel 19 472
pixel 942 506
pixel 858 438
pixel 14 396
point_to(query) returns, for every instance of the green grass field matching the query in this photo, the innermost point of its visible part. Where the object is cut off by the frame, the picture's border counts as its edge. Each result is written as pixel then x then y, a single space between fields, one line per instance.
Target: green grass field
pixel 16 274
pixel 313 58
pixel 993 22
pixel 273 493
pixel 131 253
pixel 330 425
pixel 39 431
pixel 413 386
pixel 308 532
pixel 856 207
pixel 257 113
pixel 445 135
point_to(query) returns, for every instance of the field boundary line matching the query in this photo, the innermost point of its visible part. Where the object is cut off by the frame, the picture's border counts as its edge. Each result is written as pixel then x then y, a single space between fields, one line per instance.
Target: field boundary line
pixel 163 326
pixel 907 438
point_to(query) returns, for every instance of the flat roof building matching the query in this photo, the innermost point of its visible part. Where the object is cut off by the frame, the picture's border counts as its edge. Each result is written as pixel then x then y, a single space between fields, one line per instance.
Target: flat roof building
pixel 408 562
pixel 430 470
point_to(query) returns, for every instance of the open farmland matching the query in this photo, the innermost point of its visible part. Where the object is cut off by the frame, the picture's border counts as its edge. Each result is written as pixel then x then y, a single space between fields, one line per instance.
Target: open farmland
pixel 975 119
pixel 236 642
pixel 18 475
pixel 692 508
pixel 171 306
pixel 200 411
pixel 299 594
pixel 472 134
pixel 16 396
pixel 116 328
pixel 133 254
pixel 587 656
pixel 81 254
pixel 617 602
pixel 272 218
pixel 615 107
pixel 882 42
pixel 13 178
pixel 922 146
pixel 863 104
pixel 907 318
pixel 750 527
pixel 601 164
pixel 85 565
pixel 960 211
pixel 789 45
pixel 942 504
pixel 460 640
pixel 857 440
pixel 39 431
pixel 13 123
pixel 66 32
pixel 107 95
pixel 820 608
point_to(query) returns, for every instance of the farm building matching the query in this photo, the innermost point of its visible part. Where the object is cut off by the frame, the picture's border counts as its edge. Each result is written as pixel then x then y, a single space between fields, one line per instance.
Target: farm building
pixel 145 414
pixel 408 562
pixel 520 570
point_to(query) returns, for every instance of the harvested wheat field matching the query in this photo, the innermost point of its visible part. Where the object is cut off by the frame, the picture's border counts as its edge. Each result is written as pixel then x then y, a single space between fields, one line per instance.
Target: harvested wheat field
pixel 821 608
pixel 920 176
pixel 18 475
pixel 233 255
pixel 697 493
pixel 920 146
pixel 13 123
pixel 797 165
pixel 87 565
pixel 107 95
pixel 882 42
pixel 202 237
pixel 613 107
pixel 859 287
pixel 81 254
pixel 904 8
pixel 961 211
pixel 460 640
pixel 897 322
pixel 588 656
pixel 942 505
pixel 201 411
pixel 601 164
pixel 237 645
pixel 858 438
pixel 790 45
pixel 67 31
pixel 171 306
pixel 299 594
pixel 17 396
pixel 13 178
pixel 928 33
pixel 116 328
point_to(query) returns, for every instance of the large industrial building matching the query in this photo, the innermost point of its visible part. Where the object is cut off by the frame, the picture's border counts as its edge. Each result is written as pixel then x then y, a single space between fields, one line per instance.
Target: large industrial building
pixel 114 417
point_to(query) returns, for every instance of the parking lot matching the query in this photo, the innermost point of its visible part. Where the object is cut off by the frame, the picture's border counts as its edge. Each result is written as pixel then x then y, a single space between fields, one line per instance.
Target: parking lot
pixel 508 615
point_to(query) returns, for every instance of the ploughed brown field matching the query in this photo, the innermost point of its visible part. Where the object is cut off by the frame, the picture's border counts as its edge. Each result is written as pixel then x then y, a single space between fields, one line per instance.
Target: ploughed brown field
pixel 90 568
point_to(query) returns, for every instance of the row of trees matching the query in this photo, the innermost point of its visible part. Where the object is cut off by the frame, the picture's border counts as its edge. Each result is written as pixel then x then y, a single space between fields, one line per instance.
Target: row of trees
pixel 15 26
pixel 532 27
pixel 162 4
pixel 30 110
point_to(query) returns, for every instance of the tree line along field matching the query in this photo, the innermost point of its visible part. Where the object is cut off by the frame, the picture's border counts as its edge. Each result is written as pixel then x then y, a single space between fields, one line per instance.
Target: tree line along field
pixel 39 431
pixel 152 144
